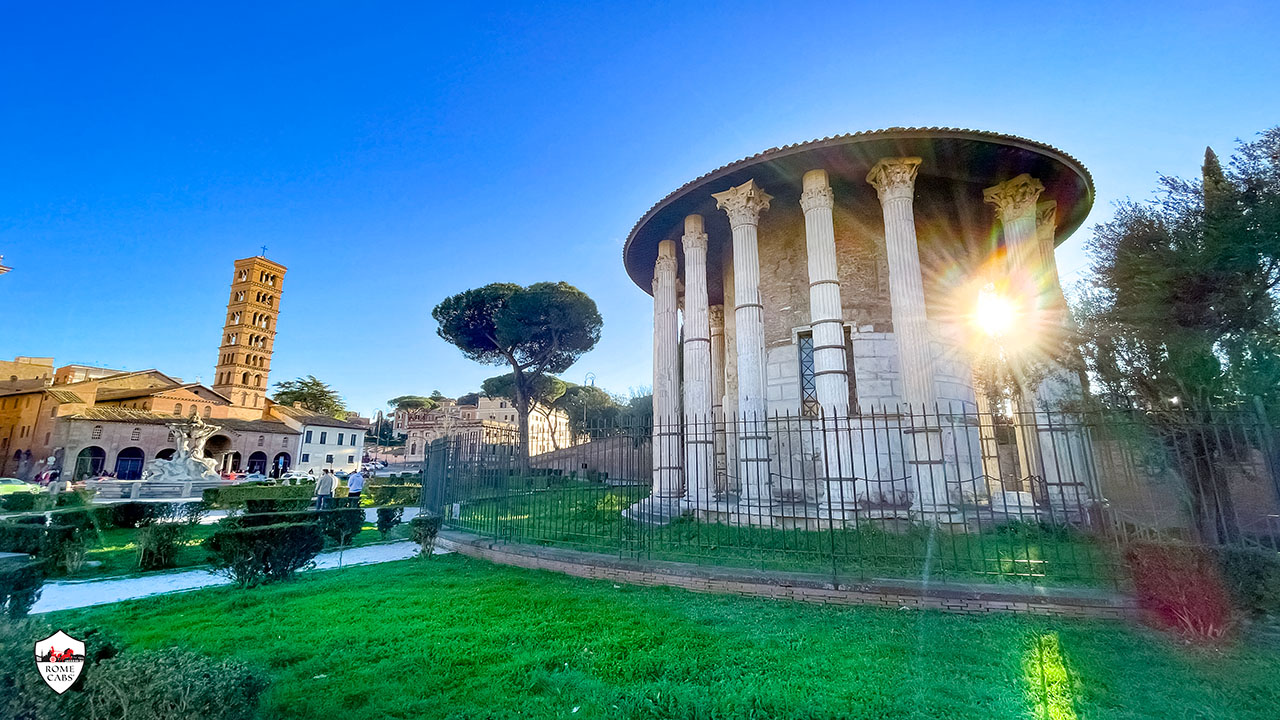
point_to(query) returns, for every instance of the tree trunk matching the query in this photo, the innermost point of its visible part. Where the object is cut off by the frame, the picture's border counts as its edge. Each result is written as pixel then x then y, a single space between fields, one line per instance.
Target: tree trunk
pixel 522 417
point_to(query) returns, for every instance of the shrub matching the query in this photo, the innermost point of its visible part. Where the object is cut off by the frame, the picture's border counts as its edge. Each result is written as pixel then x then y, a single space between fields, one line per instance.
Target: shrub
pixel 255 555
pixel 29 520
pixel 400 494
pixel 88 519
pixel 1252 578
pixel 23 695
pixel 1180 588
pixel 47 541
pixel 132 514
pixel 157 545
pixel 18 502
pixel 176 683
pixel 342 524
pixel 139 685
pixel 20 587
pixel 423 529
pixel 73 499
pixel 388 519
pixel 235 496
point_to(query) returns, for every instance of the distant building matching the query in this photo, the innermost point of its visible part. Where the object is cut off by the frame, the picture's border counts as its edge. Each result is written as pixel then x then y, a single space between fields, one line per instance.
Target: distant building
pixel 490 420
pixel 324 441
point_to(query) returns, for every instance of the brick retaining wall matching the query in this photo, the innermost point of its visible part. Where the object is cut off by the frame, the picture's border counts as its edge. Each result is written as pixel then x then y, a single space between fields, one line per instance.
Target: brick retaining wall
pixel 896 594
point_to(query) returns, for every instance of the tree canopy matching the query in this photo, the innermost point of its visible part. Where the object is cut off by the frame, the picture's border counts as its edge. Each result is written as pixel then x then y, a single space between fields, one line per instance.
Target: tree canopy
pixel 1183 302
pixel 414 402
pixel 537 330
pixel 313 394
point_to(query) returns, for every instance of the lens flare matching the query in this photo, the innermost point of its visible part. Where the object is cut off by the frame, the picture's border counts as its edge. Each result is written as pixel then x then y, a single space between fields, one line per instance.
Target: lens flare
pixel 994 314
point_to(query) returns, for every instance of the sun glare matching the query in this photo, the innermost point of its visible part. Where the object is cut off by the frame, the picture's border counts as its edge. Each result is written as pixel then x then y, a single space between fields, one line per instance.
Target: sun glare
pixel 994 314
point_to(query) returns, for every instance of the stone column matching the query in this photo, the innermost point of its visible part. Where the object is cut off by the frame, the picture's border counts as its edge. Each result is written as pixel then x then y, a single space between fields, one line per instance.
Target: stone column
pixel 699 451
pixel 1063 443
pixel 831 376
pixel 716 317
pixel 894 180
pixel 666 377
pixel 1015 202
pixel 743 205
pixel 826 317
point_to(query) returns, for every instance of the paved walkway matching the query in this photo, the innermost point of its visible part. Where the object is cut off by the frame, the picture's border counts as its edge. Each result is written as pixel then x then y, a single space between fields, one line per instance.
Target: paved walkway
pixel 68 594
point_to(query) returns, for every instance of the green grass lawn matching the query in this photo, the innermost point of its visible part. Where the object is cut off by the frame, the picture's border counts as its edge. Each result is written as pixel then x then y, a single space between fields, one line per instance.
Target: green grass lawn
pixel 588 516
pixel 453 637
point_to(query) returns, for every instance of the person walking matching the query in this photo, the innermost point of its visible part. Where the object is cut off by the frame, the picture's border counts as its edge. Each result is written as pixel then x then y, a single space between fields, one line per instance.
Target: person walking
pixel 324 490
pixel 355 484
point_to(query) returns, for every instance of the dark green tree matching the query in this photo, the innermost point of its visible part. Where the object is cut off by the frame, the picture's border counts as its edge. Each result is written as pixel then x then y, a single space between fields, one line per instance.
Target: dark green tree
pixel 537 330
pixel 312 393
pixel 1181 313
pixel 414 402
pixel 590 409
pixel 543 392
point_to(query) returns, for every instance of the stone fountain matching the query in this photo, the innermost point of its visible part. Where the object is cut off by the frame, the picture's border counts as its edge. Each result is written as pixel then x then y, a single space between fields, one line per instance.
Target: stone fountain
pixel 188 462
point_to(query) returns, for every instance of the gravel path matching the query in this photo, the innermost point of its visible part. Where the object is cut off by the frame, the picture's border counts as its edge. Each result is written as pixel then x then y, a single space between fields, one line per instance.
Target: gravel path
pixel 68 594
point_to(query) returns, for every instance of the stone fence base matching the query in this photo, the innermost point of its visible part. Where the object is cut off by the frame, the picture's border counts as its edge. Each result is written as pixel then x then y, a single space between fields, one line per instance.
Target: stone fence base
pixel 895 594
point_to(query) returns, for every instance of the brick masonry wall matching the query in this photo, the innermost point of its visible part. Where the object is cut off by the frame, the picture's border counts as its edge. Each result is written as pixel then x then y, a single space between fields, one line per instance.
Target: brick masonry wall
pixel 958 598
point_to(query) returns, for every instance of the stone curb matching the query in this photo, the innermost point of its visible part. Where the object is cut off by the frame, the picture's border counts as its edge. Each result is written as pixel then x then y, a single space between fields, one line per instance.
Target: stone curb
pixel 968 598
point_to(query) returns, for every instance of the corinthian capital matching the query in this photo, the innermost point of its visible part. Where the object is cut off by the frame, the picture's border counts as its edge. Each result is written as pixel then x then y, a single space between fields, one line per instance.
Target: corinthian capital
pixel 894 177
pixel 817 191
pixel 1015 197
pixel 694 238
pixel 1046 216
pixel 744 203
pixel 664 268
pixel 715 314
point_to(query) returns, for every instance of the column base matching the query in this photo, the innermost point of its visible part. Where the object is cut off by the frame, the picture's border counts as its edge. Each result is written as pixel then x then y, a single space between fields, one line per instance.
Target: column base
pixel 655 510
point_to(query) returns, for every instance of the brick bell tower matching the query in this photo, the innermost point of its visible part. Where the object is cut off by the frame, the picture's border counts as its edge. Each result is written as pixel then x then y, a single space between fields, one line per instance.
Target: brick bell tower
pixel 244 357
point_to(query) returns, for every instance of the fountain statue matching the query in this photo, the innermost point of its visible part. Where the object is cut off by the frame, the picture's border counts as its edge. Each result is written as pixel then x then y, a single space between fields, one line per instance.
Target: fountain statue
pixel 188 462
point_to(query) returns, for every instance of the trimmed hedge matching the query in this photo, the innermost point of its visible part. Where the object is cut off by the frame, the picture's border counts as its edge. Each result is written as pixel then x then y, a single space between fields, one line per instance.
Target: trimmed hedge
pixel 1252 578
pixel 235 496
pixel 46 541
pixel 423 529
pixel 119 683
pixel 388 519
pixel 252 556
pixel 395 494
pixel 20 587
pixel 18 502
pixel 338 524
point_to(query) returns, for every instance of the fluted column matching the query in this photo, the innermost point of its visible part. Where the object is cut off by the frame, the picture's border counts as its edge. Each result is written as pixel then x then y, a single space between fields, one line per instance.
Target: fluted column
pixel 699 451
pixel 1063 445
pixel 716 317
pixel 826 317
pixel 831 376
pixel 743 205
pixel 894 180
pixel 666 376
pixel 1015 202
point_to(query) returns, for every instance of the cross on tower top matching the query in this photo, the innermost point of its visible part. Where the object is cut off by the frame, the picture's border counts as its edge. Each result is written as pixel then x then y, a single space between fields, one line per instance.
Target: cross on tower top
pixel 264 251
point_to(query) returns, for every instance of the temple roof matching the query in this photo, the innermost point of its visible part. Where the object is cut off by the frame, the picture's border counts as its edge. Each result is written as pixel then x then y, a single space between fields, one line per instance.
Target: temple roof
pixel 972 158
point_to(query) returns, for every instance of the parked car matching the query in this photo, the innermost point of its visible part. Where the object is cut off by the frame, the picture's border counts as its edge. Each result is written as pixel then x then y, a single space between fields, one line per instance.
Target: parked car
pixel 11 485
pixel 254 477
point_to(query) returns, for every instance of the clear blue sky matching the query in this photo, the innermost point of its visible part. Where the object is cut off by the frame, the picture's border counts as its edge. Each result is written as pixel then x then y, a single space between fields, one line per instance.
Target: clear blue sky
pixel 393 154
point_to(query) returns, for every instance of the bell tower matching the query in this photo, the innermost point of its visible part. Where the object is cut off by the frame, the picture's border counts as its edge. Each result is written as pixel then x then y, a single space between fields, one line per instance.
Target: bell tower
pixel 244 355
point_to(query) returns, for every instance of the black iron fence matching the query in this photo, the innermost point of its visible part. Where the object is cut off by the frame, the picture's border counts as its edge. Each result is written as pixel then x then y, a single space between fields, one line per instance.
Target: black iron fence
pixel 1039 497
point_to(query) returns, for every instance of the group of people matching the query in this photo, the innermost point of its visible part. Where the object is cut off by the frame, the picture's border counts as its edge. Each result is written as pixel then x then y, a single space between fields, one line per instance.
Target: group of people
pixel 328 482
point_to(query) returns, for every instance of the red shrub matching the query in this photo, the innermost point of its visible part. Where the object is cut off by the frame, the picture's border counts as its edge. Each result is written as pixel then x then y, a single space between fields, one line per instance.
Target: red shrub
pixel 1179 587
